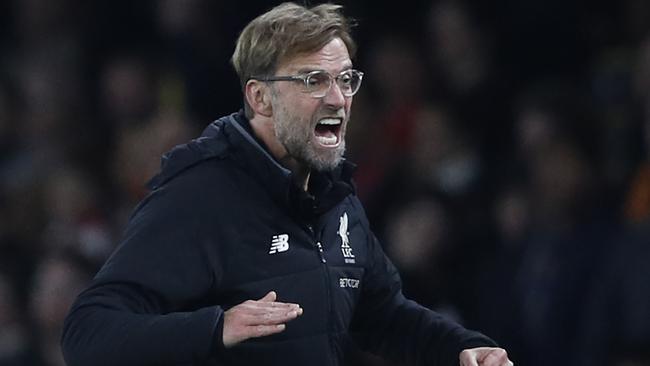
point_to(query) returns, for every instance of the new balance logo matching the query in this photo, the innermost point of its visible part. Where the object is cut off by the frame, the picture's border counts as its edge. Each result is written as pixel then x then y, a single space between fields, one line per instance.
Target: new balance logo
pixel 279 243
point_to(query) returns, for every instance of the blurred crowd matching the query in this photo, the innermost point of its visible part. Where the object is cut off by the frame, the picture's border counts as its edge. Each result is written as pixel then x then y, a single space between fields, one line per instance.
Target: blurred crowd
pixel 503 151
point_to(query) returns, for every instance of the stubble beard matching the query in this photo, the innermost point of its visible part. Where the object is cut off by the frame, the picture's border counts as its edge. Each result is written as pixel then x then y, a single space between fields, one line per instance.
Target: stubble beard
pixel 297 137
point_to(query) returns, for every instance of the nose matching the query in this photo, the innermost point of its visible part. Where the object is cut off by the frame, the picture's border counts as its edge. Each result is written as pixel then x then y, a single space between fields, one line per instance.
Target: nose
pixel 334 97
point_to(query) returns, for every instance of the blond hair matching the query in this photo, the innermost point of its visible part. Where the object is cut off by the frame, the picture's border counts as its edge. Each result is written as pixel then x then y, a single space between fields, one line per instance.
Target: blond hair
pixel 283 32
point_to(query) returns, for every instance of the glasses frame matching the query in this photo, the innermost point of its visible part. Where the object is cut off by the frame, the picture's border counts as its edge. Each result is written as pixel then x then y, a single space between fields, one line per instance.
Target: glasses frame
pixel 304 78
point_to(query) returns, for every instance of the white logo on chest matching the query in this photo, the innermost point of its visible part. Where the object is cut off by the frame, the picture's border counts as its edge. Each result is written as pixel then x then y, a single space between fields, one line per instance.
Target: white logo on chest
pixel 279 243
pixel 348 283
pixel 345 240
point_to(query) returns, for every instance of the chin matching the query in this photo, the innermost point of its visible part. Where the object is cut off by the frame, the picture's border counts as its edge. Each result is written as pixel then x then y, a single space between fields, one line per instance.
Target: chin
pixel 328 163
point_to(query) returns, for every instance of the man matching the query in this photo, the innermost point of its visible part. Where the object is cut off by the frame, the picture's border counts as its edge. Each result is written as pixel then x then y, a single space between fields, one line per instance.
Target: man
pixel 252 248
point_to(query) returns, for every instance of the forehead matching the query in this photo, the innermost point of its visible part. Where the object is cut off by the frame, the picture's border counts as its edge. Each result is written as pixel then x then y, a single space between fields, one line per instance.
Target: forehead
pixel 333 57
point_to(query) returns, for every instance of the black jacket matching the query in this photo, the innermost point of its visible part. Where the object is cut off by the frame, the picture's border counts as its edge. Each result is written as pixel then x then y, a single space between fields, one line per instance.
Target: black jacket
pixel 223 224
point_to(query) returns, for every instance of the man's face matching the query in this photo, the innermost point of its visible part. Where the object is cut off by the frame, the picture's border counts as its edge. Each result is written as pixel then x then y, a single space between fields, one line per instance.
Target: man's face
pixel 312 130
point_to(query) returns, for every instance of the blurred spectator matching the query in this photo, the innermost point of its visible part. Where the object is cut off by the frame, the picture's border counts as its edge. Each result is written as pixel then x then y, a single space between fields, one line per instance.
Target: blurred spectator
pixel 615 326
pixel 551 226
pixel 459 48
pixel 57 281
pixel 74 218
pixel 441 156
pixel 14 346
pixel 621 290
pixel 144 105
pixel 566 236
pixel 399 89
pixel 496 295
pixel 436 195
pixel 418 242
pixel 619 139
pixel 466 75
pixel 128 90
pixel 637 206
pixel 199 36
pixel 136 157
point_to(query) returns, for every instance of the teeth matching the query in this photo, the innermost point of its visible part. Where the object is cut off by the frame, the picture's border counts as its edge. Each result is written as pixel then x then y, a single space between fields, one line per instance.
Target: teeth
pixel 327 140
pixel 330 121
pixel 325 136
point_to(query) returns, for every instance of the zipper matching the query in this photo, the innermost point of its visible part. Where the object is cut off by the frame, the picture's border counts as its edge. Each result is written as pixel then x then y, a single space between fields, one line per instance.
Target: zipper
pixel 319 246
pixel 320 253
pixel 328 292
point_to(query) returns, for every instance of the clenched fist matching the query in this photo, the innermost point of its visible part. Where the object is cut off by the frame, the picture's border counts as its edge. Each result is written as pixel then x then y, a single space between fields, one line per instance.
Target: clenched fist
pixel 257 318
pixel 484 356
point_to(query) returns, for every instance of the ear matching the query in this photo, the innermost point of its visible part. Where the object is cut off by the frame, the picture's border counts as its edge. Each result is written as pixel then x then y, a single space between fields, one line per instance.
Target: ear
pixel 258 97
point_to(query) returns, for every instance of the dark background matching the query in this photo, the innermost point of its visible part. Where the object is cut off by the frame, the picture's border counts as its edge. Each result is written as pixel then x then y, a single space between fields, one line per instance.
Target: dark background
pixel 502 150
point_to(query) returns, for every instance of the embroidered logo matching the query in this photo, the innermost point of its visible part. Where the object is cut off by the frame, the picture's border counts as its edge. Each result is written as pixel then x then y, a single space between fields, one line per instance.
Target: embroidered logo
pixel 348 282
pixel 279 243
pixel 345 240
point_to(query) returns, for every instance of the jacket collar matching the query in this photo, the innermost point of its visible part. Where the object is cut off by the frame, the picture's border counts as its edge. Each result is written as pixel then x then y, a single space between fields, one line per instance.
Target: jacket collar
pixel 233 137
pixel 326 189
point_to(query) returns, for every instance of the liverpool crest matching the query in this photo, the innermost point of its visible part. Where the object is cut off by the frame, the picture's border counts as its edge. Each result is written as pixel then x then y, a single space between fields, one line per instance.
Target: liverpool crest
pixel 345 240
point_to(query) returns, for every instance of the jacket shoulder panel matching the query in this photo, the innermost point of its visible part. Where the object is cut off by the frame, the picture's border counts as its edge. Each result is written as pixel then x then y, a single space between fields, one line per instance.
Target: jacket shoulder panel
pixel 211 145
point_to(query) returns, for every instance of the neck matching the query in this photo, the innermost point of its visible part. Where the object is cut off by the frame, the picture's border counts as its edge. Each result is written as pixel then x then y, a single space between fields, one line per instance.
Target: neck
pixel 264 130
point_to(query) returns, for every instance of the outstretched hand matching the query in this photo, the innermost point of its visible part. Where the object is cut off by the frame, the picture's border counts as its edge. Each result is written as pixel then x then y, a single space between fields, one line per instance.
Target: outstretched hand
pixel 257 318
pixel 484 356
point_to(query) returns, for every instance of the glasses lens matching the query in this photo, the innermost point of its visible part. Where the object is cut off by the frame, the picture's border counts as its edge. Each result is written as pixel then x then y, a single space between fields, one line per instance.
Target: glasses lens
pixel 349 82
pixel 318 83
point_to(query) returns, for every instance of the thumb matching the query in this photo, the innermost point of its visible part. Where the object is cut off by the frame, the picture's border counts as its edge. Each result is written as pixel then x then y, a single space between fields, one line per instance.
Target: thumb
pixel 469 357
pixel 270 297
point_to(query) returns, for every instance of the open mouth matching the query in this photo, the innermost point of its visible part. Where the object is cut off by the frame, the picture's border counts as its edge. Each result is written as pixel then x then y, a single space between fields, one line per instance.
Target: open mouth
pixel 328 132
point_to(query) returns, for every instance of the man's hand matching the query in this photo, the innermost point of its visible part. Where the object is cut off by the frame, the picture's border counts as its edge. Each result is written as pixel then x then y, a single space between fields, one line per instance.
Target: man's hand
pixel 484 356
pixel 260 318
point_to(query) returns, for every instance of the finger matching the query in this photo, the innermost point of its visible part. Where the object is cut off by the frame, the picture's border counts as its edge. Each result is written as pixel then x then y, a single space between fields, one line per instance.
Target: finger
pixel 256 308
pixel 274 304
pixel 264 330
pixel 270 297
pixel 277 310
pixel 271 317
pixel 262 309
pixel 269 300
pixel 496 357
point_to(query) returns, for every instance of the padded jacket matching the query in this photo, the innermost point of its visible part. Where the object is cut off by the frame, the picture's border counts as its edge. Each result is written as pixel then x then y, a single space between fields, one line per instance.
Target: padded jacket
pixel 224 224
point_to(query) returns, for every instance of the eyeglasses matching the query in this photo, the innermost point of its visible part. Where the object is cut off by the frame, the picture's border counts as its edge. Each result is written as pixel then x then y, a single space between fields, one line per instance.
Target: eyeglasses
pixel 319 82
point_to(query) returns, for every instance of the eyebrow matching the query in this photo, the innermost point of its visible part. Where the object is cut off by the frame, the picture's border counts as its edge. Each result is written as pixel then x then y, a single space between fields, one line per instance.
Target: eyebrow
pixel 306 70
